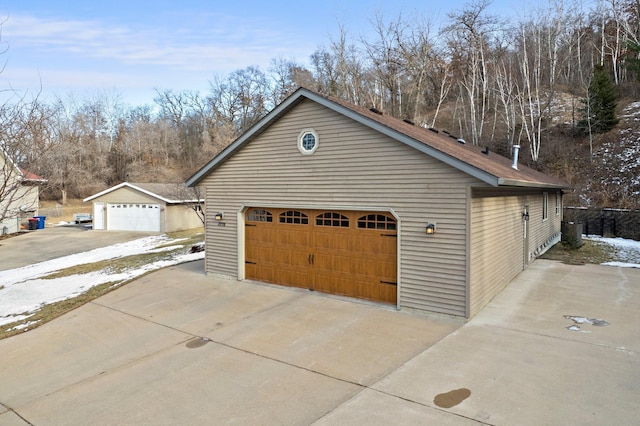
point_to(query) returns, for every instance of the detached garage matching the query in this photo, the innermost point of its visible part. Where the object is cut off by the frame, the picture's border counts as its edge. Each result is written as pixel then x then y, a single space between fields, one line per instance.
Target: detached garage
pixel 328 196
pixel 146 207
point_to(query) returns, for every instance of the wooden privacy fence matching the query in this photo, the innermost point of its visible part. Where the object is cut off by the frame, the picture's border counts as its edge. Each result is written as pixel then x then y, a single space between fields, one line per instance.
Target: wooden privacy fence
pixel 606 222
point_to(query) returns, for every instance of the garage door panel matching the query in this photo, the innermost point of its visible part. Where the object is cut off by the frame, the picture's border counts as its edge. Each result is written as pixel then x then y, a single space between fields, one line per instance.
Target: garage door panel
pixel 387 270
pixel 133 217
pixel 336 241
pixel 290 276
pixel 345 253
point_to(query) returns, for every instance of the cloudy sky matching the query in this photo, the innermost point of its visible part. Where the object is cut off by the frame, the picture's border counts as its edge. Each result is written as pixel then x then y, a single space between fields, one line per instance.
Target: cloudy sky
pixel 134 47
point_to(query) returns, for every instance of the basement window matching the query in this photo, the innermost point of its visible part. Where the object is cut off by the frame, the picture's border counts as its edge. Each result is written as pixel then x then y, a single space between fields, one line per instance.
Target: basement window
pixel 308 141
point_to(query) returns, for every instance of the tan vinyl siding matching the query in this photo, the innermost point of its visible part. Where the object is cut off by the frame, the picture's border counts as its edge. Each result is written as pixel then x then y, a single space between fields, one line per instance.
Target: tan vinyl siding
pixel 496 246
pixel 221 237
pixel 543 232
pixel 127 195
pixel 181 217
pixel 354 168
pixel 24 196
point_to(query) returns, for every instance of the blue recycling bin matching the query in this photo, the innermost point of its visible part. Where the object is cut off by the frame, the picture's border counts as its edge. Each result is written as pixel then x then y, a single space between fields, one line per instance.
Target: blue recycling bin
pixel 41 220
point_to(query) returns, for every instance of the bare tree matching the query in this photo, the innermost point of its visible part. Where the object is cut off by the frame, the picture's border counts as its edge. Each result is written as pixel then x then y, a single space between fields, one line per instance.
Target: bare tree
pixel 19 133
pixel 18 196
pixel 507 94
pixel 469 37
pixel 242 98
pixel 385 57
pixel 192 198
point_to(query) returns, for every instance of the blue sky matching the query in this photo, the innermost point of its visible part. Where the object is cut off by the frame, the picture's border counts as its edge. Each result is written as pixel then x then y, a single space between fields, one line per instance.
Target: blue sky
pixel 133 47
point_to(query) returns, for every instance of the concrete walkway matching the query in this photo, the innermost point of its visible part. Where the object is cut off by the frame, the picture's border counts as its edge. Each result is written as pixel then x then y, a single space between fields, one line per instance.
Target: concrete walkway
pixel 178 347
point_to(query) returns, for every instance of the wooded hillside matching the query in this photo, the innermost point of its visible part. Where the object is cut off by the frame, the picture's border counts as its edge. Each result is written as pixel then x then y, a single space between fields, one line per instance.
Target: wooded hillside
pixel 560 82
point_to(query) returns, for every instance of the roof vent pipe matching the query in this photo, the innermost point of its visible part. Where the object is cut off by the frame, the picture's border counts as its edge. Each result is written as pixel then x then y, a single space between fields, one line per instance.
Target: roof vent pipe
pixel 516 149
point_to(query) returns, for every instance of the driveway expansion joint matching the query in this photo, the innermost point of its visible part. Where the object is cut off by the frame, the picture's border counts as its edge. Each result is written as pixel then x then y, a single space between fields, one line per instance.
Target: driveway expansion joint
pixel 190 336
pixel 10 409
pixel 566 339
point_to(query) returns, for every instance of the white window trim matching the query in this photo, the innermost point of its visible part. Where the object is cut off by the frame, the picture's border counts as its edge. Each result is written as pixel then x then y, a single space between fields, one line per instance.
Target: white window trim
pixel 302 135
pixel 545 206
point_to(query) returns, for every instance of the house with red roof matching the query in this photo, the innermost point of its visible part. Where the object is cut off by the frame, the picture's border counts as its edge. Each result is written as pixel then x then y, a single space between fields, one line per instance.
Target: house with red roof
pixel 19 195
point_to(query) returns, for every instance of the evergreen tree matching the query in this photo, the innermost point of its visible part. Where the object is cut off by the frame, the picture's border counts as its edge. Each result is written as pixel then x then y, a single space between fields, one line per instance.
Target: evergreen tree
pixel 633 61
pixel 599 112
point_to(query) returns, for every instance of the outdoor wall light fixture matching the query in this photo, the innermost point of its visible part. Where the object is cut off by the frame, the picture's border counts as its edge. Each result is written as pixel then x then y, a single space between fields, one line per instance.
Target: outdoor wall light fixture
pixel 431 228
pixel 219 216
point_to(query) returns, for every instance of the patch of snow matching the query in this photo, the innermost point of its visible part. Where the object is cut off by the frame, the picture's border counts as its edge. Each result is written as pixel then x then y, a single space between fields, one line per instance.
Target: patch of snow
pixel 622 264
pixel 167 248
pixel 22 326
pixel 13 318
pixel 141 245
pixel 578 320
pixel 627 251
pixel 577 328
pixel 24 290
pixel 584 320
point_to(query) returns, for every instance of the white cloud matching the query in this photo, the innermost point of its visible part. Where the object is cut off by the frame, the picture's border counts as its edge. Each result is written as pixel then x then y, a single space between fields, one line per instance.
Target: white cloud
pixel 226 42
pixel 74 55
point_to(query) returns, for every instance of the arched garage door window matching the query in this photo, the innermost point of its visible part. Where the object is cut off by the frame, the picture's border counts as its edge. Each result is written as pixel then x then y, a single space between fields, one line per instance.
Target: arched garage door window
pixel 377 221
pixel 295 217
pixel 332 219
pixel 259 215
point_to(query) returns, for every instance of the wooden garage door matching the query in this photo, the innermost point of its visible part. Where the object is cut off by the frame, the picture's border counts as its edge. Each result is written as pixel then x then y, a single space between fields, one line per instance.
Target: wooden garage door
pixel 348 253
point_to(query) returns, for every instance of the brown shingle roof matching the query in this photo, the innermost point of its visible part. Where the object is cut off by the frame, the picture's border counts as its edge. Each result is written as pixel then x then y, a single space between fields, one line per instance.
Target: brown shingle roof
pixel 493 163
pixel 173 192
pixel 493 168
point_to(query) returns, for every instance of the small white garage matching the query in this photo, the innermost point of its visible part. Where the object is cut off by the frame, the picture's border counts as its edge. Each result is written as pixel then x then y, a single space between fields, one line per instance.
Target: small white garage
pixel 146 207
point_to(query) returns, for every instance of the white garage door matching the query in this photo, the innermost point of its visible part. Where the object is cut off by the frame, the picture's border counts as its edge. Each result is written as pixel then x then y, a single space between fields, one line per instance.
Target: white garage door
pixel 133 217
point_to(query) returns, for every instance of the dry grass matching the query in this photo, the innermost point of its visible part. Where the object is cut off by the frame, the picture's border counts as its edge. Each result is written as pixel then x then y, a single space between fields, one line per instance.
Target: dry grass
pixel 56 212
pixel 122 264
pixel 54 310
pixel 590 252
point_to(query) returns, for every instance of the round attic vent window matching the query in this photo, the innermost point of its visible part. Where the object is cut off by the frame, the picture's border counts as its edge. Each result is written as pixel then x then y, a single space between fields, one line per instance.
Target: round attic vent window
pixel 308 142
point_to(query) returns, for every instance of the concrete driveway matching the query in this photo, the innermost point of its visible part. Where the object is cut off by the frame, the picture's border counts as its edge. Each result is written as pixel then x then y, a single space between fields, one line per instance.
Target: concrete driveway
pixel 178 347
pixel 51 243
